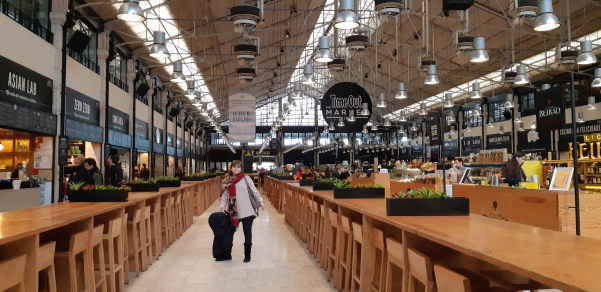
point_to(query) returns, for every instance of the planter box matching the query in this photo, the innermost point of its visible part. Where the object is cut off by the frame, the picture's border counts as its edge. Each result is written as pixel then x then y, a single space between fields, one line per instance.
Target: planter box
pixel 170 183
pixel 212 176
pixel 307 182
pixel 97 196
pixel 359 193
pixel 144 187
pixel 323 186
pixel 285 177
pixel 192 178
pixel 427 207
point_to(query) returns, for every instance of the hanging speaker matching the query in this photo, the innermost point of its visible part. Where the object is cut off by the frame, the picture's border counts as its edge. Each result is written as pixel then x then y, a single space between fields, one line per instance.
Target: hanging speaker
pixel 78 41
pixel 174 112
pixel 142 89
pixel 189 124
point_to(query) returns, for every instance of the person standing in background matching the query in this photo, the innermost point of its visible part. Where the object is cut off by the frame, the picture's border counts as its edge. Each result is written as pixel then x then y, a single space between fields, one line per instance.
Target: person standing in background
pixel 81 173
pixel 144 173
pixel 514 174
pixel 94 175
pixel 114 173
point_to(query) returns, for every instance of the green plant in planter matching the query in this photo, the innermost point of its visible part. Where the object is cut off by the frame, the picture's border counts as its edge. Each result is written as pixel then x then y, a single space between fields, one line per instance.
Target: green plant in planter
pixel 329 179
pixel 166 178
pixel 371 186
pixel 76 186
pixel 141 181
pixel 421 193
pixel 340 184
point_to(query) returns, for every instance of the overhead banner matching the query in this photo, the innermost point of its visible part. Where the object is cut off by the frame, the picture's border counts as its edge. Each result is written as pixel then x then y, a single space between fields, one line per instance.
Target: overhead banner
pixel 451 148
pixel 82 108
pixel 118 120
pixel 24 87
pixel 530 141
pixel 471 145
pixel 342 99
pixel 499 141
pixel 242 117
pixel 434 132
pixel 565 134
pixel 550 111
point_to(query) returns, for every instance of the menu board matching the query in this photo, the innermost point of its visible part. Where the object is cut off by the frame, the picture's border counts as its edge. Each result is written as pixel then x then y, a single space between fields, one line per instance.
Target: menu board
pixel 42 154
pixel 562 177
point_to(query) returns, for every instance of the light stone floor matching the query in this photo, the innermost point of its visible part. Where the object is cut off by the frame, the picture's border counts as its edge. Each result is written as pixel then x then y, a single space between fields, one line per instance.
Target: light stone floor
pixel 280 261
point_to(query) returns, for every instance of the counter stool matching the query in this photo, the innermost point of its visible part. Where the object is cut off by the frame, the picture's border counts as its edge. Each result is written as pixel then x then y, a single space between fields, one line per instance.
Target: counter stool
pixel 306 213
pixel 511 281
pixel 313 227
pixel 378 264
pixel 345 250
pixel 155 219
pixel 187 210
pixel 453 280
pixel 137 239
pixel 12 273
pixel 333 250
pixel 167 217
pixel 177 209
pixel 323 250
pixel 115 253
pixel 125 251
pixel 98 258
pixel 45 264
pixel 356 256
pixel 420 270
pixel 148 238
pixel 70 278
pixel 395 258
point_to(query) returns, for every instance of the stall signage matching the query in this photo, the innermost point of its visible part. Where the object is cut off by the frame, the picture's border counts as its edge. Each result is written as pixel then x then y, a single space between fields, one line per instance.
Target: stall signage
pixel 434 132
pixel 550 112
pixel 63 150
pixel 83 108
pixel 78 130
pixel 119 139
pixel 158 148
pixel 342 99
pixel 590 150
pixel 141 129
pixel 470 145
pixel 588 127
pixel 451 148
pixel 21 86
pixel 498 141
pixel 242 116
pixel 531 141
pixel 274 143
pixel 118 121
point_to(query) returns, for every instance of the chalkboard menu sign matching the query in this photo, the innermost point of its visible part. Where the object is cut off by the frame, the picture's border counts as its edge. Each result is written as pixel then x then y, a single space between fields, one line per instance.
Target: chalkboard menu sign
pixel 499 141
pixel 416 149
pixel 470 145
pixel 142 145
pixel 78 130
pixel 82 108
pixel 63 150
pixel 141 129
pixel 451 148
pixel 23 87
pixel 27 119
pixel 118 121
pixel 119 139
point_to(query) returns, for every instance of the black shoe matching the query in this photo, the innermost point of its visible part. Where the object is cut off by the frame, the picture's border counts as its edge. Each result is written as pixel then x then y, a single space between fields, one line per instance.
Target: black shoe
pixel 221 259
pixel 247 247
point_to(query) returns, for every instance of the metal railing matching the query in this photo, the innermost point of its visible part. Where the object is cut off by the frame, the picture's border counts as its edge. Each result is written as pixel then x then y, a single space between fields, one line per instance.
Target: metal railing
pixel 118 82
pixel 26 21
pixel 84 61
pixel 142 98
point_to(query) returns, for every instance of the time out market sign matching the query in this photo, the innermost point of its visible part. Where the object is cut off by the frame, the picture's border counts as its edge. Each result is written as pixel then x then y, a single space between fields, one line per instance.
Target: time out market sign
pixel 342 99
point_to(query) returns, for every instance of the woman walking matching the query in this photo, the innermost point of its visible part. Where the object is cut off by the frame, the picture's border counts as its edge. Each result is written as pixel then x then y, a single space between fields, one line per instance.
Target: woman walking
pixel 237 202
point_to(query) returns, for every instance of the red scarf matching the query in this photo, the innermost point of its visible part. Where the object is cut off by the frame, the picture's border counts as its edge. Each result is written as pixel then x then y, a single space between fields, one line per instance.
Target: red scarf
pixel 233 206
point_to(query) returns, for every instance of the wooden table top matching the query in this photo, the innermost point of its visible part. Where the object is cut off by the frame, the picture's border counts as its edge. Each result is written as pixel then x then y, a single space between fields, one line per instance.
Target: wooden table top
pixel 561 260
pixel 12 230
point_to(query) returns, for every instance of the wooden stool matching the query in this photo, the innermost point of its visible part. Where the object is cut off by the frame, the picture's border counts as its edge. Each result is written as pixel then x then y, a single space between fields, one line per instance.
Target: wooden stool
pixel 177 211
pixel 148 240
pixel 98 258
pixel 72 276
pixel 395 256
pixel 333 251
pixel 313 227
pixel 345 250
pixel 167 217
pixel 420 269
pixel 155 219
pixel 356 256
pixel 12 273
pixel 125 251
pixel 137 239
pixel 114 253
pixel 378 262
pixel 448 280
pixel 186 210
pixel 45 263
pixel 511 281
pixel 323 248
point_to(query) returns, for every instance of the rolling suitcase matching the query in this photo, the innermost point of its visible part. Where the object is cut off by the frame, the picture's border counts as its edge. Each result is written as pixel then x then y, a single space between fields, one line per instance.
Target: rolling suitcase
pixel 223 232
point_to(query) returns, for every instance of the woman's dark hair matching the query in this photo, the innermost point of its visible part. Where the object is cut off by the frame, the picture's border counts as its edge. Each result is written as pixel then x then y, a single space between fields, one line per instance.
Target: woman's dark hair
pixel 235 163
pixel 91 162
pixel 114 158
pixel 513 167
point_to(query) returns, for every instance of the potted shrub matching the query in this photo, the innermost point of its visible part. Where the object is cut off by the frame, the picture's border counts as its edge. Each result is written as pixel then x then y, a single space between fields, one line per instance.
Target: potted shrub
pixel 324 184
pixel 79 193
pixel 194 177
pixel 168 182
pixel 142 185
pixel 426 202
pixel 344 190
pixel 307 182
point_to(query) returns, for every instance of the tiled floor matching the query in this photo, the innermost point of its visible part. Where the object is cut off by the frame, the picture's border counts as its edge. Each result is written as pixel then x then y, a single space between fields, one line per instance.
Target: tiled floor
pixel 280 261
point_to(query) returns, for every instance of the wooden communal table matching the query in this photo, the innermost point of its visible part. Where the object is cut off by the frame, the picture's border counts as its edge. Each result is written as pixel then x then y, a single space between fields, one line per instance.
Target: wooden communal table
pixel 559 260
pixel 23 231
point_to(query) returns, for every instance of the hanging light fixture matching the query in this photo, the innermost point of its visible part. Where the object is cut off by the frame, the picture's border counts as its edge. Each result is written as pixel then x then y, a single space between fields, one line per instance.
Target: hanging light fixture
pixel 401 129
pixel 450 118
pixel 365 109
pixel 382 100
pixel 422 109
pixel 452 131
pixel 545 20
pixel 501 130
pixel 521 78
pixel 591 103
pixel 518 117
pixel 401 93
pixel 479 54
pixel 403 116
pixel 431 78
pixel 326 130
pixel 448 100
pixel 190 93
pixel 490 123
pixel 521 128
pixel 387 122
pixel 597 81
pixel 197 102
pixel 533 126
pixel 177 75
pixel 340 122
pixel 130 10
pixel 351 116
pixel 324 54
pixel 364 131
pixel 374 127
pixel 580 117
pixel 508 101
pixel 586 56
pixel 308 74
pixel 346 18
pixel 468 128
pixel 331 128
pixel 159 49
pixel 475 93
pixel 413 127
pixel 297 91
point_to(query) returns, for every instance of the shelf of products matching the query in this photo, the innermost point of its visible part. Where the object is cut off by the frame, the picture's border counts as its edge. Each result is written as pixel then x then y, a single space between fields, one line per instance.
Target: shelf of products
pixel 589 171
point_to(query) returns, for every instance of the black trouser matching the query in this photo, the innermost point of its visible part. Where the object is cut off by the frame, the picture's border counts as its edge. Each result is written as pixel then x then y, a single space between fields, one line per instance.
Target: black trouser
pixel 247 227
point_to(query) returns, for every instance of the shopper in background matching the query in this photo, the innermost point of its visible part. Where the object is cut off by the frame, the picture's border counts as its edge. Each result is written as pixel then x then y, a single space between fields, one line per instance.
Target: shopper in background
pixel 94 176
pixel 235 200
pixel 144 172
pixel 114 172
pixel 81 173
pixel 18 173
pixel 514 174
